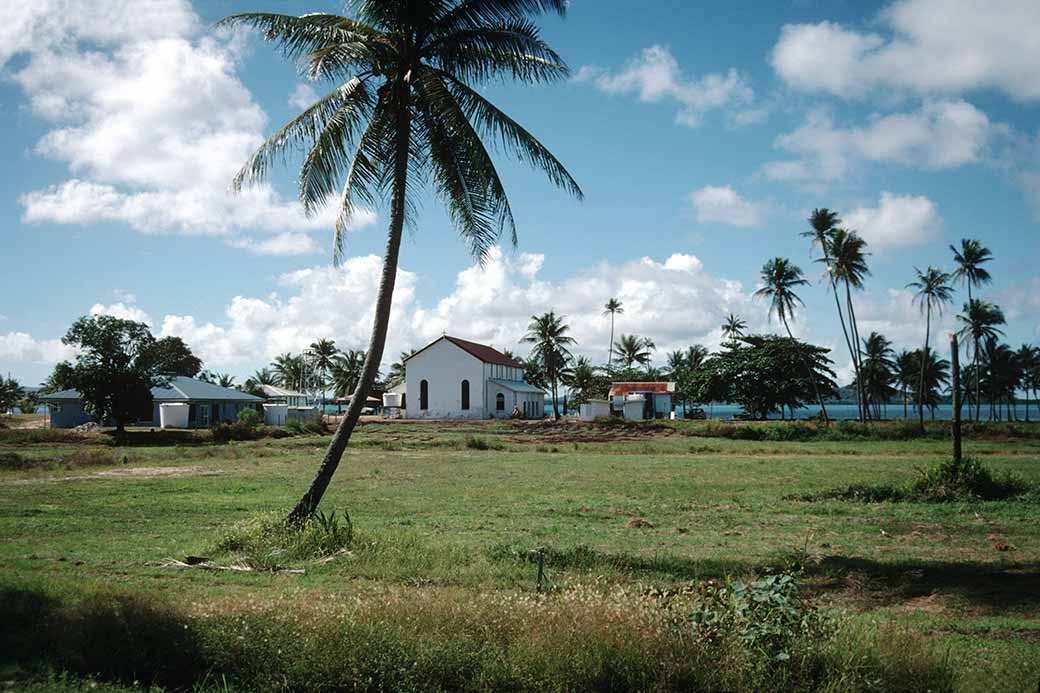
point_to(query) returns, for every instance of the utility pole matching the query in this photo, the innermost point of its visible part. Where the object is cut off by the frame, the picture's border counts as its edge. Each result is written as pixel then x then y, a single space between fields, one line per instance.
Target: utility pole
pixel 956 385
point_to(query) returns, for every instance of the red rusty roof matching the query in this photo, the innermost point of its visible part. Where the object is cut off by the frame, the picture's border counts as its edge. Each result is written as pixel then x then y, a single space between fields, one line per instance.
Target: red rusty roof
pixel 622 389
pixel 484 353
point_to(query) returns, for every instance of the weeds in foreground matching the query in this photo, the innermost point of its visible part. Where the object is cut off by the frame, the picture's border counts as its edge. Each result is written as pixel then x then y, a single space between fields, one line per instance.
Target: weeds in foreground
pixel 946 482
pixel 477 443
pixel 267 542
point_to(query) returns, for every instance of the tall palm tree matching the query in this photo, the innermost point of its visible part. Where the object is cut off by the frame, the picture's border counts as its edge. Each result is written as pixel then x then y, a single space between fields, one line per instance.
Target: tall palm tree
pixel 849 266
pixel 907 365
pixel 290 371
pixel 406 106
pixel 347 368
pixel 933 291
pixel 264 376
pixel 733 327
pixel 322 352
pixel 979 321
pixel 398 370
pixel 613 307
pixel 224 379
pixel 878 371
pixel 780 278
pixel 632 349
pixel 934 372
pixel 969 260
pixel 581 380
pixel 548 334
pixel 823 223
pixel 1029 358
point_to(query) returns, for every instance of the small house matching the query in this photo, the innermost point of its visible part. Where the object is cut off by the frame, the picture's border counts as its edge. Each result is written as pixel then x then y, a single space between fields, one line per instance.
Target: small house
pixel 207 404
pixel 642 400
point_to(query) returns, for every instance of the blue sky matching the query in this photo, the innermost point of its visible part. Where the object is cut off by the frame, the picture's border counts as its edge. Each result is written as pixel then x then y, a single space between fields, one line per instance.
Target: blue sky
pixel 702 139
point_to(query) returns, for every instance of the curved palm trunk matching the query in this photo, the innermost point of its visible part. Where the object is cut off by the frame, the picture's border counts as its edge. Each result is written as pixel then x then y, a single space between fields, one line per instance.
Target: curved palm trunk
pixel 858 357
pixel 812 378
pixel 848 343
pixel 924 361
pixel 610 350
pixel 308 503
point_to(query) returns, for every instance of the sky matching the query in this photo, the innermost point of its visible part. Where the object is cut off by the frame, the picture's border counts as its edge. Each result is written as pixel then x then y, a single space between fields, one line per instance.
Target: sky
pixel 702 138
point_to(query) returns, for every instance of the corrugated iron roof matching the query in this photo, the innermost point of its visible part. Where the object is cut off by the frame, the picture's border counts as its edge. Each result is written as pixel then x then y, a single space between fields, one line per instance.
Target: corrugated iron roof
pixel 481 351
pixel 181 389
pixel 622 389
pixel 516 385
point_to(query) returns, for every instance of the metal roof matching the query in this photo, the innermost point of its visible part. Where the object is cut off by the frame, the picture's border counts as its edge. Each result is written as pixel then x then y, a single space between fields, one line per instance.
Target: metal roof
pixel 181 389
pixel 621 389
pixel 480 351
pixel 516 385
pixel 275 391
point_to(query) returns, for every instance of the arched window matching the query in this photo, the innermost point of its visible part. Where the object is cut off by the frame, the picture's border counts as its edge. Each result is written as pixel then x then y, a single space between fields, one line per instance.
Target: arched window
pixel 500 402
pixel 424 395
pixel 465 395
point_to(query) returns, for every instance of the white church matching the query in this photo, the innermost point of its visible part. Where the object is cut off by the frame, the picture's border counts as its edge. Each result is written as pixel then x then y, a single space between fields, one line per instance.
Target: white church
pixel 452 378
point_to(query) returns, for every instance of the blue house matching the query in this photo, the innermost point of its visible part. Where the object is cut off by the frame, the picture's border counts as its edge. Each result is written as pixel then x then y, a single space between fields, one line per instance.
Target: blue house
pixel 207 404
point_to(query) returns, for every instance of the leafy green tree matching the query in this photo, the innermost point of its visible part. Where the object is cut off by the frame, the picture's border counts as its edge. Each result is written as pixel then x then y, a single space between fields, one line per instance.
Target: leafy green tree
pixel 933 291
pixel 175 358
pixel 907 367
pixel 10 393
pixel 1029 359
pixel 116 368
pixel 406 107
pixel 979 321
pixel 347 370
pixel 779 279
pixel 398 371
pixel 585 382
pixel 59 379
pixel 935 376
pixel 547 333
pixel 290 371
pixel 754 371
pixel 612 308
pixel 878 371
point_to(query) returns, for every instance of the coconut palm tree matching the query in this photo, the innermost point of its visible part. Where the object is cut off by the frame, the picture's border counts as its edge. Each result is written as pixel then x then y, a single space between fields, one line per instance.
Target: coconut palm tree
pixel 548 334
pixel 321 354
pixel 581 380
pixel 224 379
pixel 733 327
pixel 290 371
pixel 253 384
pixel 397 369
pixel 907 365
pixel 823 223
pixel 933 291
pixel 406 106
pixel 935 375
pixel 848 265
pixel 632 349
pixel 878 371
pixel 779 279
pixel 969 260
pixel 1029 359
pixel 979 321
pixel 347 368
pixel 613 307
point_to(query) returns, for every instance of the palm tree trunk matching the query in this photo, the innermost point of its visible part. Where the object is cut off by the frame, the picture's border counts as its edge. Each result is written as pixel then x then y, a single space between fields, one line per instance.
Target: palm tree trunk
pixel 556 401
pixel 812 378
pixel 924 361
pixel 610 350
pixel 858 357
pixel 848 342
pixel 308 503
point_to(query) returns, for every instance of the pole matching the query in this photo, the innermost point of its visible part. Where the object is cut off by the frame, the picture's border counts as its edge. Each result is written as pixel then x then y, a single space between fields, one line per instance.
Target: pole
pixel 956 384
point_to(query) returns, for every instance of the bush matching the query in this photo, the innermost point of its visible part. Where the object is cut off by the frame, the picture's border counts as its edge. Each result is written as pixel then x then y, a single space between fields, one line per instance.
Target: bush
pixel 268 542
pixel 12 461
pixel 249 417
pixel 224 432
pixel 294 427
pixel 477 443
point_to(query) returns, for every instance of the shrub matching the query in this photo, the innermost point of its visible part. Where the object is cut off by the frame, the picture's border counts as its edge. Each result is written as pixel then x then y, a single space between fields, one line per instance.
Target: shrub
pixel 967 479
pixel 317 426
pixel 224 432
pixel 267 542
pixel 12 461
pixel 249 417
pixel 477 443
pixel 294 427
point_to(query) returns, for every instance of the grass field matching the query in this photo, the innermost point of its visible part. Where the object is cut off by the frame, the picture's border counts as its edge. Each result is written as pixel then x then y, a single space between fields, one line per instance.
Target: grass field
pixel 446 518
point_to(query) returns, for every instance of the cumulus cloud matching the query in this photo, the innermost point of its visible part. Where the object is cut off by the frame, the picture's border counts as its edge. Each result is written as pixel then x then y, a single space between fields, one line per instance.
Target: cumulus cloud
pixel 898 221
pixel 655 76
pixel 941 134
pixel 723 205
pixel 147 112
pixel 122 310
pixel 302 96
pixel 1022 302
pixel 894 314
pixel 492 304
pixel 21 347
pixel 928 47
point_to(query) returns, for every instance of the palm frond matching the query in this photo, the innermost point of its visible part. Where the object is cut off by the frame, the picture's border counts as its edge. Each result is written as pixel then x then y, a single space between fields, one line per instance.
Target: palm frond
pixel 473 13
pixel 511 135
pixel 511 48
pixel 299 35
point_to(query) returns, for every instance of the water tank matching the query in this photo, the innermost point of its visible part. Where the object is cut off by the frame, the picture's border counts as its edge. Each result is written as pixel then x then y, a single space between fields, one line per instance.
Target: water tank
pixel 276 414
pixel 596 409
pixel 173 415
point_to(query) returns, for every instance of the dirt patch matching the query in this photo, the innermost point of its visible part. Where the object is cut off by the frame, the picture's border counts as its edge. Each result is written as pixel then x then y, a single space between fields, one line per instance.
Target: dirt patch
pixel 131 472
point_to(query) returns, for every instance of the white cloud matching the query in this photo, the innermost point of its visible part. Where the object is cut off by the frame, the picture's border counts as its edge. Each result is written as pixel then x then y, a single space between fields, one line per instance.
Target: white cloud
pixel 21 347
pixel 722 205
pixel 898 221
pixel 123 311
pixel 941 134
pixel 1022 302
pixel 655 76
pixel 302 96
pixel 930 47
pixel 148 114
pixel 280 244
pixel 895 315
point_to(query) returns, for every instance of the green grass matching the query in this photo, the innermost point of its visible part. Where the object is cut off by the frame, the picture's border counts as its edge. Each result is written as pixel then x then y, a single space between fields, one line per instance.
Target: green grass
pixel 446 518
